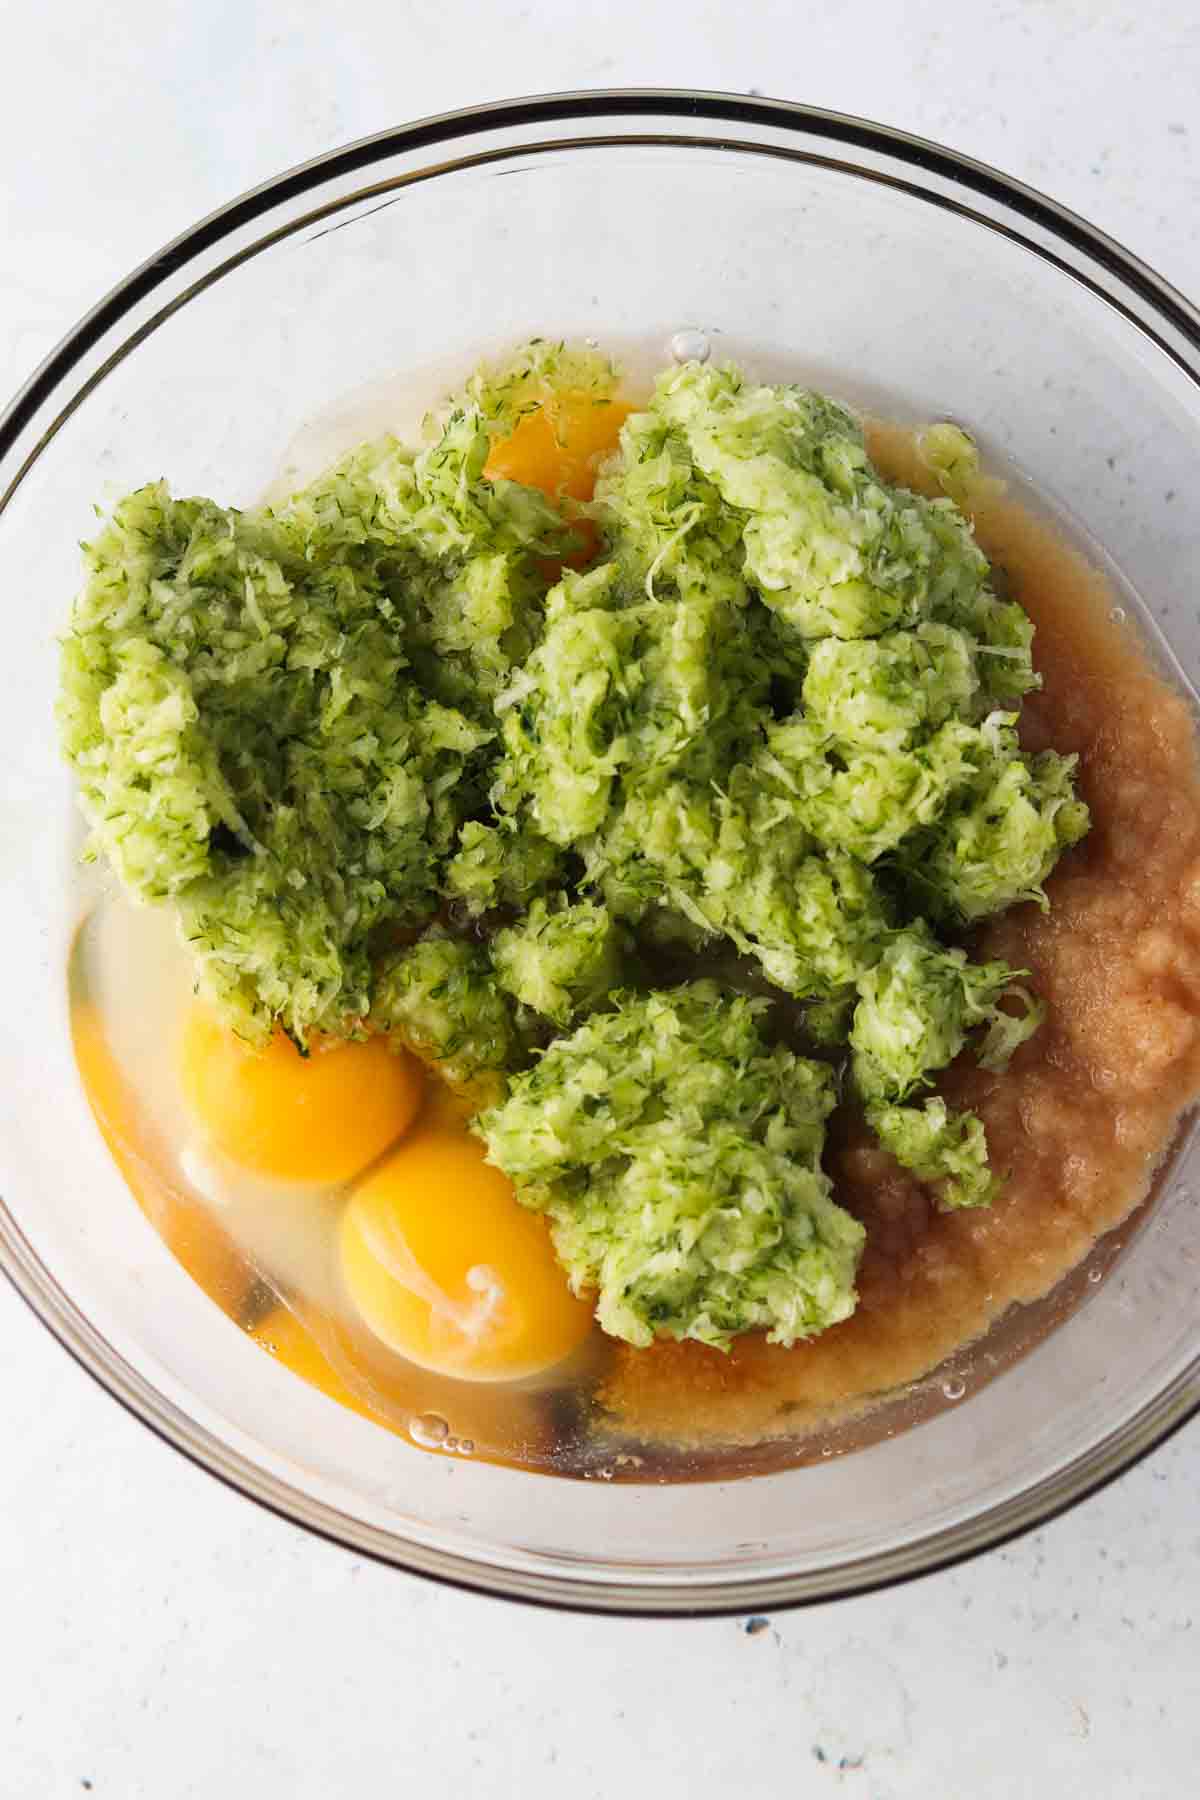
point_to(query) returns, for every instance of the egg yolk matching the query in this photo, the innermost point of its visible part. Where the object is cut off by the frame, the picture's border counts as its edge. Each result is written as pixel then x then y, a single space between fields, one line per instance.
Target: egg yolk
pixel 559 450
pixel 320 1118
pixel 445 1265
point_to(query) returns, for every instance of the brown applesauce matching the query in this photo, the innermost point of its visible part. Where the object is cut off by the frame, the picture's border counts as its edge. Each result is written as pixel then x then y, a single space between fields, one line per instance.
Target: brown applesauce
pixel 1087 1109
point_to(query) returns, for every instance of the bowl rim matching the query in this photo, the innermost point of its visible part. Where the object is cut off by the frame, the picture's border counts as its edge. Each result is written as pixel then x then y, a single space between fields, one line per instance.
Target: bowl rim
pixel 1066 236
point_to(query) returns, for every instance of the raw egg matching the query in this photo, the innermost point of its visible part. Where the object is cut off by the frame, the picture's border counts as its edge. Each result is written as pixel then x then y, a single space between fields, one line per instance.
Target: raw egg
pixel 283 1336
pixel 446 1266
pixel 515 1426
pixel 317 1118
pixel 188 1228
pixel 558 449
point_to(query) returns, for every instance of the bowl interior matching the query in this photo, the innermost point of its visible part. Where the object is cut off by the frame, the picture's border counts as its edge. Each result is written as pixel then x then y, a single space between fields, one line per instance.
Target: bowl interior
pixel 373 284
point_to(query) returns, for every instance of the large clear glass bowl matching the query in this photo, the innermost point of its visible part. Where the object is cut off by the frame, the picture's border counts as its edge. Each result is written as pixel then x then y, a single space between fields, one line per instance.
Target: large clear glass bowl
pixel 905 276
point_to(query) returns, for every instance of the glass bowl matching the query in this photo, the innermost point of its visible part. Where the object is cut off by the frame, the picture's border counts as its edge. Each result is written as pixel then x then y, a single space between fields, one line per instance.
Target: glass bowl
pixel 907 278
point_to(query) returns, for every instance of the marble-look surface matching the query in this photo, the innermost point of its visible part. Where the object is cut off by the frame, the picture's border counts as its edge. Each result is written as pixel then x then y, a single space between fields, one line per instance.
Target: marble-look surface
pixel 161 1637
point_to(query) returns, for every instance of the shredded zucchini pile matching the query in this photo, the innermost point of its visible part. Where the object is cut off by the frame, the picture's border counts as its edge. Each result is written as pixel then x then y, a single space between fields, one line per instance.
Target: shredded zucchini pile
pixel 678 1159
pixel 392 774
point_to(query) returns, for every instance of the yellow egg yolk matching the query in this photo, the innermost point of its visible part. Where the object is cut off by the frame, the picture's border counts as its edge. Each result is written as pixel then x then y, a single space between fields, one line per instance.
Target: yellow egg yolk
pixel 319 1118
pixel 558 449
pixel 445 1265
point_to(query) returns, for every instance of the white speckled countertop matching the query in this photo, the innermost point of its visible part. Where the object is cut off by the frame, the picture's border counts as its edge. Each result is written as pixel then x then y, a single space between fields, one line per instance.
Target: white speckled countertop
pixel 163 1638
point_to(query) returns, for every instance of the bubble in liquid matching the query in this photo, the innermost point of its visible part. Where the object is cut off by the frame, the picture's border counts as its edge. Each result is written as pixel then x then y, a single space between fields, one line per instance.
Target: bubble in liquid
pixel 690 346
pixel 429 1430
pixel 451 1443
pixel 955 1388
pixel 1095 1275
pixel 1117 614
pixel 466 1446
